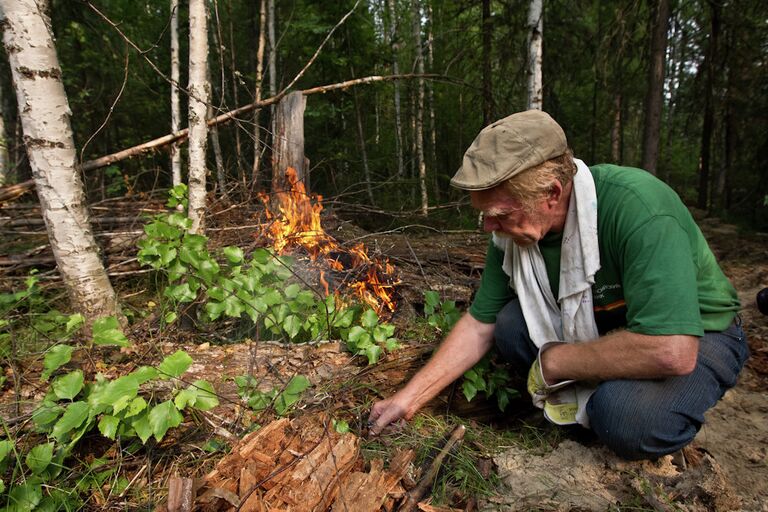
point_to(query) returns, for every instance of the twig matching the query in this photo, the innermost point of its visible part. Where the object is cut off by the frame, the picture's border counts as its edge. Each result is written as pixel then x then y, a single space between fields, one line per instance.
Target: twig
pixel 133 480
pixel 418 492
pixel 421 269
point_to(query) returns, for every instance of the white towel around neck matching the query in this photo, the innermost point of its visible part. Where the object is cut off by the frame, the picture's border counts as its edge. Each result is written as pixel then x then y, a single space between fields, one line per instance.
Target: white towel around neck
pixel 574 319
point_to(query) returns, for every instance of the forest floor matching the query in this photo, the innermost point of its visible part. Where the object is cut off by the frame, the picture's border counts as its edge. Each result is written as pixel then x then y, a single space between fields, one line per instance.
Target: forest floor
pixel 524 462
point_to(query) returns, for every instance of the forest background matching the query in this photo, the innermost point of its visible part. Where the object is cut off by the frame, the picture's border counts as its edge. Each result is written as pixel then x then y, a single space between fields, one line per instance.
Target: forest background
pixel 362 146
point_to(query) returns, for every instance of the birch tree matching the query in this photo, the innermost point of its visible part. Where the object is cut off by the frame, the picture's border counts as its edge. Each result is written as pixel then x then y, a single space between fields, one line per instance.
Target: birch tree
pixel 419 127
pixel 198 101
pixel 4 160
pixel 45 118
pixel 535 39
pixel 175 111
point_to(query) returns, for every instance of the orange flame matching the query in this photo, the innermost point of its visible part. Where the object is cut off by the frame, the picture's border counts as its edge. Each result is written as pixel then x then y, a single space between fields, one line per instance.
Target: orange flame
pixel 296 223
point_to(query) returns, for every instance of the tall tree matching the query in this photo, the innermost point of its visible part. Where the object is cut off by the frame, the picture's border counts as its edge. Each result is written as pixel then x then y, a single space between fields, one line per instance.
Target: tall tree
pixel 44 112
pixel 175 110
pixel 487 36
pixel 391 8
pixel 4 160
pixel 198 101
pixel 707 126
pixel 257 93
pixel 654 99
pixel 535 54
pixel 419 126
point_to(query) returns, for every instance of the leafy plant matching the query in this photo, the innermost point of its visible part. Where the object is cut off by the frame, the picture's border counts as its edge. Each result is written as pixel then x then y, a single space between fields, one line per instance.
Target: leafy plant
pixel 257 287
pixel 491 379
pixel 442 315
pixel 281 400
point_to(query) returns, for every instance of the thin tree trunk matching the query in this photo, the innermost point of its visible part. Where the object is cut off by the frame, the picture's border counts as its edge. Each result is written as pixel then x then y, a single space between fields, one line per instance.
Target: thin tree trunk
pixel 361 141
pixel 175 110
pixel 535 54
pixel 679 54
pixel 431 101
pixel 235 94
pixel 288 150
pixel 255 175
pixel 419 128
pixel 708 120
pixel 44 112
pixel 396 71
pixel 272 64
pixel 198 101
pixel 221 177
pixel 616 130
pixel 654 98
pixel 4 160
pixel 487 33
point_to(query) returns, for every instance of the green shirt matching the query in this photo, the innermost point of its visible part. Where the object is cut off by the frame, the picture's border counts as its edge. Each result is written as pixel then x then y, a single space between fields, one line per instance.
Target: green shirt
pixel 657 274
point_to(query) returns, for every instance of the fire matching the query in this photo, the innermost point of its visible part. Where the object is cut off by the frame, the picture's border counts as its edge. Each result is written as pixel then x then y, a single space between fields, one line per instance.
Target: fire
pixel 296 223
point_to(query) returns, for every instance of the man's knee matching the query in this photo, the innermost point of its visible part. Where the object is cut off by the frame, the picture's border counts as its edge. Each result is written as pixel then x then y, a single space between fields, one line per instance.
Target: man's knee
pixel 512 338
pixel 634 423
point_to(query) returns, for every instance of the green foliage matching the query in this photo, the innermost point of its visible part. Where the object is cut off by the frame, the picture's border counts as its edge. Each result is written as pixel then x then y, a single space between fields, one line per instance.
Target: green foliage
pixel 256 287
pixel 442 315
pixel 491 379
pixel 282 401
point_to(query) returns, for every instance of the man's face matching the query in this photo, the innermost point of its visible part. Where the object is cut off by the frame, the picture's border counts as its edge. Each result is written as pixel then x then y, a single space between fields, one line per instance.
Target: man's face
pixel 506 217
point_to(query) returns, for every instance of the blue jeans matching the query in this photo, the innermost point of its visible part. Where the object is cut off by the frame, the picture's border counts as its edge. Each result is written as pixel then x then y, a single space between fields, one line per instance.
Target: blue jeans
pixel 643 418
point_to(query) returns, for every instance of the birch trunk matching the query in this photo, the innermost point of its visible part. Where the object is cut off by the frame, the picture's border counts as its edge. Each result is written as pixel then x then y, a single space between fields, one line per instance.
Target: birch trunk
pixel 654 100
pixel 175 110
pixel 198 100
pixel 257 94
pixel 396 71
pixel 44 112
pixel 535 54
pixel 4 160
pixel 272 65
pixel 419 128
pixel 431 101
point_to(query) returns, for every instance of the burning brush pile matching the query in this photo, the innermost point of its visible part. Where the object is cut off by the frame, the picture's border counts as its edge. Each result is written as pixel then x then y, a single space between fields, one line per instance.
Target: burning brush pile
pixel 349 273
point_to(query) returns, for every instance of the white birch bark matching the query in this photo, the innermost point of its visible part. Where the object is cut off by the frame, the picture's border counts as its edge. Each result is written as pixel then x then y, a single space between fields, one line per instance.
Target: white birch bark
pixel 396 71
pixel 175 110
pixel 419 129
pixel 4 160
pixel 44 112
pixel 535 38
pixel 198 100
pixel 255 175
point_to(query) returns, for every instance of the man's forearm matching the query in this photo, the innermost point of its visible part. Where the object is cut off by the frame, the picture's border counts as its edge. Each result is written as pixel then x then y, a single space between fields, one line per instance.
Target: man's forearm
pixel 622 354
pixel 464 346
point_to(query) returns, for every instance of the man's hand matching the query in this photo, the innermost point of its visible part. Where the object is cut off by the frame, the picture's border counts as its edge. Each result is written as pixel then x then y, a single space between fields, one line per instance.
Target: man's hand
pixel 538 387
pixel 387 411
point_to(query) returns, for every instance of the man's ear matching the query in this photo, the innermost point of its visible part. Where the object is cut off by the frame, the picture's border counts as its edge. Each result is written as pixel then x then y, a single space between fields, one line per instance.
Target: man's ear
pixel 555 193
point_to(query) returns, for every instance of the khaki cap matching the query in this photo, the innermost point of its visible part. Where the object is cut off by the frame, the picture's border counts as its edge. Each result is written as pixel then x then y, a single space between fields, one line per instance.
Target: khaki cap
pixel 508 147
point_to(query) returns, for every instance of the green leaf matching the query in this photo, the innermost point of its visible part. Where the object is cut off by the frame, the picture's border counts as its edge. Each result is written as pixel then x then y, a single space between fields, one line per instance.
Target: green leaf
pixel 25 497
pixel 55 358
pixel 184 398
pixel 234 254
pixel 214 309
pixel 39 458
pixel 162 417
pixel 142 427
pixel 6 447
pixel 372 352
pixel 116 393
pixel 356 334
pixel 175 365
pixel 137 405
pixel 74 416
pixel 108 426
pixel 74 322
pixel 297 385
pixel 68 386
pixel 341 426
pixel 144 374
pixel 106 331
pixel 470 391
pixel 170 317
pixel 180 292
pixel 206 396
pixel 45 415
pixel 292 291
pixel 292 326
pixel 369 319
pixel 431 298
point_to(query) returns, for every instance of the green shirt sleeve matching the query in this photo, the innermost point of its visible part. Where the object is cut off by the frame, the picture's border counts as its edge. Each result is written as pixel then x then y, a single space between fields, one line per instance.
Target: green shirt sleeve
pixel 494 292
pixel 660 279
